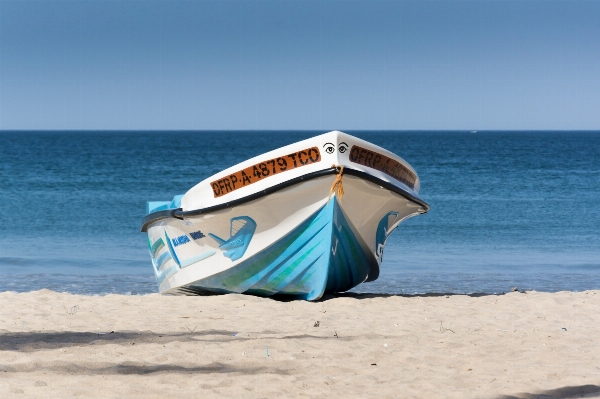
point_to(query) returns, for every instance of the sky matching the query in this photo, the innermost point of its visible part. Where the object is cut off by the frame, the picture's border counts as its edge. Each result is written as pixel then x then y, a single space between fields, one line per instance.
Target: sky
pixel 300 65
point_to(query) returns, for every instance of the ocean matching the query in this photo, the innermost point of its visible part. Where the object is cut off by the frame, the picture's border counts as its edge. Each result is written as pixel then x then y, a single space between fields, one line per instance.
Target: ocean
pixel 508 209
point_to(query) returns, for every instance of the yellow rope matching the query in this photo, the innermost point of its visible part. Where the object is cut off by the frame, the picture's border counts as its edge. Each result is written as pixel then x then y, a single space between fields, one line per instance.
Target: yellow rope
pixel 337 184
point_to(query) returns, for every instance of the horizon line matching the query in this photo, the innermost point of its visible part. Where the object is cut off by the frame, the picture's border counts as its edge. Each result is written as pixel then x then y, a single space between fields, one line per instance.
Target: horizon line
pixel 301 130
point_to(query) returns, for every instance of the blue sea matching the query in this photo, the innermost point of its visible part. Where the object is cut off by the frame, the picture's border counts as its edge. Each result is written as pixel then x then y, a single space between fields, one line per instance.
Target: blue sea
pixel 508 209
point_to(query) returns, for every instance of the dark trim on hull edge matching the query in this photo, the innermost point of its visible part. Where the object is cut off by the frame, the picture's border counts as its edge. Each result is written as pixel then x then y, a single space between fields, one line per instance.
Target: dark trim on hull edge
pixel 180 214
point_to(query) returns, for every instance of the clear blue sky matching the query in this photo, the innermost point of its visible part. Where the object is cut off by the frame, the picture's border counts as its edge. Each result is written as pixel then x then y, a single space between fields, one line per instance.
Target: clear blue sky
pixel 300 65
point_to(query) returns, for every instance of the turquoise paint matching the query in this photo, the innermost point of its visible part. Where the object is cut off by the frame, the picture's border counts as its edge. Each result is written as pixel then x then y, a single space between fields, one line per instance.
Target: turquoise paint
pixel 162 259
pixel 237 244
pixel 194 259
pixel 154 248
pixel 382 234
pixel 323 254
pixel 350 259
pixel 156 206
pixel 162 276
pixel 171 249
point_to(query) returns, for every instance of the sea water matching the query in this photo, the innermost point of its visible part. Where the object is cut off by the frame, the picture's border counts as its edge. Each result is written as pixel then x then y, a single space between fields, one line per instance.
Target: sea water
pixel 508 209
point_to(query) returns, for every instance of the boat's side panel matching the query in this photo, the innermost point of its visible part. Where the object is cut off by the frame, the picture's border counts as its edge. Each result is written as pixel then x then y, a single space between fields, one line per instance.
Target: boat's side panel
pixel 325 253
pixel 184 251
pixel 295 265
pixel 366 205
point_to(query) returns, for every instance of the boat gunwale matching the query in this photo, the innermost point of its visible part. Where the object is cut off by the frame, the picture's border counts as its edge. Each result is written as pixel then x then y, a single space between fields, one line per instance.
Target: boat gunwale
pixel 179 213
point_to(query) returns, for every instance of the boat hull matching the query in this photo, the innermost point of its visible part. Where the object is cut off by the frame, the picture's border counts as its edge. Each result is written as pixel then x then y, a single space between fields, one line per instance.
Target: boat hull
pixel 300 242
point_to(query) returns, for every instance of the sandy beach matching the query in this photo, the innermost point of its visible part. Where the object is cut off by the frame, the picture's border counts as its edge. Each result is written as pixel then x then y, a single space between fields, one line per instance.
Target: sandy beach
pixel 516 345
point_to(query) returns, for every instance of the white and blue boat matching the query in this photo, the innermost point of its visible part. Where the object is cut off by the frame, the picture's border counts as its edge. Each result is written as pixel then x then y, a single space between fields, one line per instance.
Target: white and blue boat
pixel 303 220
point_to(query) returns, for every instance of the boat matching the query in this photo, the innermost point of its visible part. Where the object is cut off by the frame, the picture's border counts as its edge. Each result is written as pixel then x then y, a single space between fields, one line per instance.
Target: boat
pixel 300 221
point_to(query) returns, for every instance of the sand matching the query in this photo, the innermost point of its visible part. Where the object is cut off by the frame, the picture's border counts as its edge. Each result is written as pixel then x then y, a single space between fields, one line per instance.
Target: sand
pixel 523 345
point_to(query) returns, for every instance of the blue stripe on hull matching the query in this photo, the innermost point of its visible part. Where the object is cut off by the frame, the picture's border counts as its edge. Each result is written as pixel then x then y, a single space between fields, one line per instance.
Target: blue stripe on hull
pixel 349 263
pixel 303 264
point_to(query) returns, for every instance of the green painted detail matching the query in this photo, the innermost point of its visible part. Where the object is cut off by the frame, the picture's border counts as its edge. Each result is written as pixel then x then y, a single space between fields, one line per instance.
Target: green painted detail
pixel 297 286
pixel 274 283
pixel 236 279
pixel 158 244
pixel 305 279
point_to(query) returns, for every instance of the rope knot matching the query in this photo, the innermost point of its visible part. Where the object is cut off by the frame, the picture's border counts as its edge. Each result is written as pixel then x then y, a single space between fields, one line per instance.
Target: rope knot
pixel 337 187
